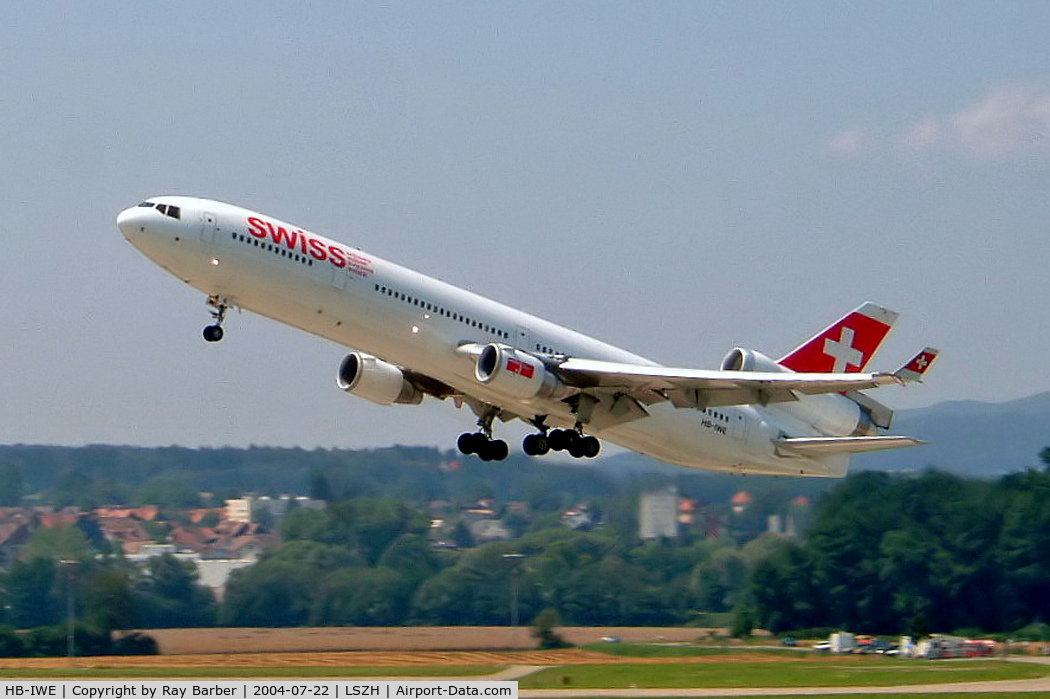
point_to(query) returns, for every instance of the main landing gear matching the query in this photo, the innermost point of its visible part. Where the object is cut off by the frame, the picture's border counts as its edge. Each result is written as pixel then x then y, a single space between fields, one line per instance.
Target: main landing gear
pixel 481 442
pixel 487 448
pixel 580 446
pixel 213 332
pixel 573 441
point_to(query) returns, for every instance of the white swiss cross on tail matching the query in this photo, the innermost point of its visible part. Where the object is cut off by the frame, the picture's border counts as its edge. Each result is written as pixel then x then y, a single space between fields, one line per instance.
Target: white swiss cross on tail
pixel 843 352
pixel 847 345
pixel 919 365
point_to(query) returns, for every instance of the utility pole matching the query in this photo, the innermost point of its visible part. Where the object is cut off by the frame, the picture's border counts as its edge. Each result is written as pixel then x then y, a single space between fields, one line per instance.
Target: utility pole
pixel 515 559
pixel 71 607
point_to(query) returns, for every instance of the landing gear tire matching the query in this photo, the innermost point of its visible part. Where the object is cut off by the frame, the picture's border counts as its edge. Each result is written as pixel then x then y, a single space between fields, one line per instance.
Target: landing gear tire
pixel 471 442
pixel 486 449
pixel 576 448
pixel 591 447
pixel 213 333
pixel 578 445
pixel 560 440
pixel 535 445
pixel 495 450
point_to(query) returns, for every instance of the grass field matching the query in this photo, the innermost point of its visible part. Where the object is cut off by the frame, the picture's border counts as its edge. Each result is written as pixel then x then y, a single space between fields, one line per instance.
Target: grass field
pixel 688 650
pixel 801 673
pixel 649 658
pixel 400 638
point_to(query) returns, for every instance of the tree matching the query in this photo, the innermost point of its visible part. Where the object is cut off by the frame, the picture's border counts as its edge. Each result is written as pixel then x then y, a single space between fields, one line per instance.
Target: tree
pixel 782 592
pixel 543 630
pixel 278 590
pixel 169 596
pixel 412 556
pixel 31 597
pixel 172 492
pixel 718 581
pixel 274 594
pixel 60 542
pixel 1022 552
pixel 107 599
pixel 320 487
pixel 476 590
pixel 361 596
pixel 10 485
pixel 366 525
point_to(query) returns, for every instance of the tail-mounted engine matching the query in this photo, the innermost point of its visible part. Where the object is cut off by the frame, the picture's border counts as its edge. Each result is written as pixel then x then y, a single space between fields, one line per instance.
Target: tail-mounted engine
pixel 375 380
pixel 740 359
pixel 517 374
pixel 832 414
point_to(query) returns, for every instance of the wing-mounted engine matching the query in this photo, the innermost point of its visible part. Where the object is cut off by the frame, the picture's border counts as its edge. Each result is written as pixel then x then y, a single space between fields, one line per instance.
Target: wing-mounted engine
pixel 517 374
pixel 831 413
pixel 375 380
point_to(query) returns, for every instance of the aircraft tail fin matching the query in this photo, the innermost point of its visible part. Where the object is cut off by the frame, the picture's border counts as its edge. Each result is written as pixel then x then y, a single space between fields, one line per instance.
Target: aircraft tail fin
pixel 846 345
pixel 914 370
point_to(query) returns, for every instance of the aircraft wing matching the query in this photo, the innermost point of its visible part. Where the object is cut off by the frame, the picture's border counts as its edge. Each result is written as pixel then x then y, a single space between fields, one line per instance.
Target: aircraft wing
pixel 703 388
pixel 819 446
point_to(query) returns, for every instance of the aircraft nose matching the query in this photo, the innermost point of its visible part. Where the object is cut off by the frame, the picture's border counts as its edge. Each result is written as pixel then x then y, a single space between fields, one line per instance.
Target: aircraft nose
pixel 131 221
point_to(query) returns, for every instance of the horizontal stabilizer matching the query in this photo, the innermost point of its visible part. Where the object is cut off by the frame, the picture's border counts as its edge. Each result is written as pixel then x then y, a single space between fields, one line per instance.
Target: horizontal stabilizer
pixel 816 446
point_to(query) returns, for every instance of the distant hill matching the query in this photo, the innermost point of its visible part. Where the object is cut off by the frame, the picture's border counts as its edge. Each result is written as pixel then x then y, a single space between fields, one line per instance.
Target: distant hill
pixel 968 438
pixel 971 438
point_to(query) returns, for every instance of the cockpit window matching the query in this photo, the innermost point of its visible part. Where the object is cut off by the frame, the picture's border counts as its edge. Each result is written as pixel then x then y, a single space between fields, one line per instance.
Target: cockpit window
pixel 147 204
pixel 170 210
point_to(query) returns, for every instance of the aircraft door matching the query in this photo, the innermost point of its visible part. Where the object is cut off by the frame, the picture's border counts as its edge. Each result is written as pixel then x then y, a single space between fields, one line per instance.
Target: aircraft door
pixel 521 340
pixel 209 226
pixel 339 276
pixel 737 425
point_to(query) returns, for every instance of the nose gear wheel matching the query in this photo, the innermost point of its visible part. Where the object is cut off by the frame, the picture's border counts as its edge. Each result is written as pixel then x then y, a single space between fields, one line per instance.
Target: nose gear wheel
pixel 214 332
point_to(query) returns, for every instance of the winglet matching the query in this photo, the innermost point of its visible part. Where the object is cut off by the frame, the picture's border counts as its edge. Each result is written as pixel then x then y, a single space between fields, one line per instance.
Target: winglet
pixel 914 370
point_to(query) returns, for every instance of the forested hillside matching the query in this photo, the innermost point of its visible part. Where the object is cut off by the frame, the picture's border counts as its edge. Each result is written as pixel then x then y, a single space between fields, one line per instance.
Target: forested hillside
pixel 174 477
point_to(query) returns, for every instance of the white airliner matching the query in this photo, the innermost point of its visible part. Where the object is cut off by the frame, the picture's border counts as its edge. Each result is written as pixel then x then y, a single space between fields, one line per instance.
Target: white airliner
pixel 413 336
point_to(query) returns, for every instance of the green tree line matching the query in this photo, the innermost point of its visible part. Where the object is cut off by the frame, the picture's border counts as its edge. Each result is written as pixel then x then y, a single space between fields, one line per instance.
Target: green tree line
pixel 885 553
pixel 921 553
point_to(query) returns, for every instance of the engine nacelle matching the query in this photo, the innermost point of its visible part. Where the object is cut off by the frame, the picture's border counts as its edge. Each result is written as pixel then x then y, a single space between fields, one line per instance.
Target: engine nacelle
pixel 375 380
pixel 831 414
pixel 517 374
pixel 740 359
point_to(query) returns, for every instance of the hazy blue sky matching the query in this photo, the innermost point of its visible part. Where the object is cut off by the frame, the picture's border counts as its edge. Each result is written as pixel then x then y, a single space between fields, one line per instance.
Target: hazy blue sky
pixel 674 178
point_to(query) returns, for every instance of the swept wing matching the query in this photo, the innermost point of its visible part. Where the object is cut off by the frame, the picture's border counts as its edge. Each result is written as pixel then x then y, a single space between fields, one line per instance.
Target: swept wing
pixel 704 388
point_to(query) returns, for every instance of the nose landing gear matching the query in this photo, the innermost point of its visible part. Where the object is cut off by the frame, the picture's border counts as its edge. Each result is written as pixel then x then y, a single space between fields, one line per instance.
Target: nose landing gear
pixel 214 332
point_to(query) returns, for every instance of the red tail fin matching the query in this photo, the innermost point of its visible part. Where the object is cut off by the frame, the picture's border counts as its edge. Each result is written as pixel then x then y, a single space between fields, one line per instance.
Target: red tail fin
pixel 846 346
pixel 918 366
